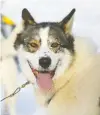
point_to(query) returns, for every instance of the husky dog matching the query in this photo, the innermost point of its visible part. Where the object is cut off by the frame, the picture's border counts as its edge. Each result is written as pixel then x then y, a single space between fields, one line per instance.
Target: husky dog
pixel 64 69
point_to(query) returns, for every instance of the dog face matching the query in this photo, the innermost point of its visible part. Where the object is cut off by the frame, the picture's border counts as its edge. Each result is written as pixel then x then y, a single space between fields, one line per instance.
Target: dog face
pixel 48 48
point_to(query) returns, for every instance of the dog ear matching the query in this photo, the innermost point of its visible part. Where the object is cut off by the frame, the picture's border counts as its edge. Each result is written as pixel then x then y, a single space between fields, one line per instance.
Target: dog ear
pixel 27 18
pixel 67 22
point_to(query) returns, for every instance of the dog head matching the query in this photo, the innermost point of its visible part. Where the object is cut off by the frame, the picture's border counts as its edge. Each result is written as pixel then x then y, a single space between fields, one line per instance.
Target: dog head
pixel 47 47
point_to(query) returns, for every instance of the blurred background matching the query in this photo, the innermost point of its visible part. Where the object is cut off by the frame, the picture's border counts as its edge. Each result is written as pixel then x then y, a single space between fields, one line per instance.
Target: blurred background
pixel 86 24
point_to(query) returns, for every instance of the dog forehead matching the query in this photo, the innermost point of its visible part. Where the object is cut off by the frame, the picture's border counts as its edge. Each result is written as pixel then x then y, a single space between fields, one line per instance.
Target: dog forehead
pixel 51 31
pixel 43 30
pixel 44 33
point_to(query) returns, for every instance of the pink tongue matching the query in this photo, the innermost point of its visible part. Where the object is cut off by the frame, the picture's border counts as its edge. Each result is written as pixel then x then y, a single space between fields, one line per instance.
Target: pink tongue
pixel 44 80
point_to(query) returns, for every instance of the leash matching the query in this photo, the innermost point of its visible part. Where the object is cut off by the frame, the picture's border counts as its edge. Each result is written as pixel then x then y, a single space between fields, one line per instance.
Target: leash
pixel 16 91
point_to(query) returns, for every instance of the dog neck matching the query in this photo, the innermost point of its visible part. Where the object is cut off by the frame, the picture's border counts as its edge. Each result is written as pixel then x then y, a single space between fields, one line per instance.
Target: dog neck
pixel 45 98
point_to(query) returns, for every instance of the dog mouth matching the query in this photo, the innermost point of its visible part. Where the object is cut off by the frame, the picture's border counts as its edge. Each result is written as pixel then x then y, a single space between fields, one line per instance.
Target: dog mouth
pixel 43 78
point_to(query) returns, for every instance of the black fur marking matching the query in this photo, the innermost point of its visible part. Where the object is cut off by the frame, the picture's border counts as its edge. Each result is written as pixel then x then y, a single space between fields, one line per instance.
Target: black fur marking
pixel 18 41
pixel 99 102
pixel 28 19
pixel 66 40
pixel 67 18
pixel 70 43
pixel 27 34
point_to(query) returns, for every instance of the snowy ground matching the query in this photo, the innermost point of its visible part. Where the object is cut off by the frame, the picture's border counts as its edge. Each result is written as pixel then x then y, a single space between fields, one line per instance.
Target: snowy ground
pixel 87 23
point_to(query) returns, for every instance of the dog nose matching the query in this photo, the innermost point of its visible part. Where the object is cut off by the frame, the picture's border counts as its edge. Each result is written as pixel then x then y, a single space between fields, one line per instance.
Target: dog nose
pixel 45 62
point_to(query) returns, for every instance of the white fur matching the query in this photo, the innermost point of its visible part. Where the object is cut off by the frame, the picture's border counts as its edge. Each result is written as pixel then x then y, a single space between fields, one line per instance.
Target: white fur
pixel 43 33
pixel 62 65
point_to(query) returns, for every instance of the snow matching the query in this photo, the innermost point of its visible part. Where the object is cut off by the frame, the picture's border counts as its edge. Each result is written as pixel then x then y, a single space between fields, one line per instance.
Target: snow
pixel 87 23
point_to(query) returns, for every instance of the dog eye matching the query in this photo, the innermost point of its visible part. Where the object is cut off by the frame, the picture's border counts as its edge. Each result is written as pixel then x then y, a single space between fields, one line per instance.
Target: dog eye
pixel 34 45
pixel 54 45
